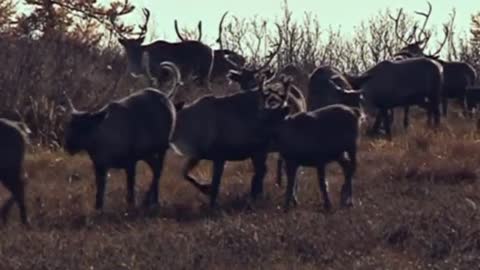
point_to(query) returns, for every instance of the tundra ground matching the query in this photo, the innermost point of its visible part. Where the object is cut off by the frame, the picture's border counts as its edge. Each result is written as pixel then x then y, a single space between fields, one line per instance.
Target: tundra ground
pixel 417 206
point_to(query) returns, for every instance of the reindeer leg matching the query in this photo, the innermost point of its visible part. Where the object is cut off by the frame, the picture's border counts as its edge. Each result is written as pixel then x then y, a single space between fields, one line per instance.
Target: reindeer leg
pixel 190 165
pixel 218 167
pixel 156 165
pixel 131 184
pixel 279 171
pixel 291 169
pixel 349 165
pixel 100 179
pixel 260 167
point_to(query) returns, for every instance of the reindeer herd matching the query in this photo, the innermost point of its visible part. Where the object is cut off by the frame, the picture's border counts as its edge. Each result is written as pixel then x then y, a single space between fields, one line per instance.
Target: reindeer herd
pixel 271 114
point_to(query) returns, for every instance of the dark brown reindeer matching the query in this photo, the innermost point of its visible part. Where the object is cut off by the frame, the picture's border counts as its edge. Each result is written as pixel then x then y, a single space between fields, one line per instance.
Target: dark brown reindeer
pixel 193 58
pixel 13 147
pixel 224 60
pixel 316 138
pixel 123 132
pixel 402 83
pixel 246 77
pixel 230 128
pixel 458 76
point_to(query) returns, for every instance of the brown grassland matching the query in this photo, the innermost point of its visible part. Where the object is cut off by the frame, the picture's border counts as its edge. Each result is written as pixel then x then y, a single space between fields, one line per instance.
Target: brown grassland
pixel 417 207
pixel 417 197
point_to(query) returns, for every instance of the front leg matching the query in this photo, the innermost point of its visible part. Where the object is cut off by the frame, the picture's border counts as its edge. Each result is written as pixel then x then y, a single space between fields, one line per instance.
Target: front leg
pixel 131 170
pixel 100 180
pixel 218 166
pixel 260 167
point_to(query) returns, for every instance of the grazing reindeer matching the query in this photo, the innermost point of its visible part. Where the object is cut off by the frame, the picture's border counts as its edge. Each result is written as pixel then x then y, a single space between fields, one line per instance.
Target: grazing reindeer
pixel 316 138
pixel 14 139
pixel 193 58
pixel 229 128
pixel 137 127
pixel 457 75
pixel 390 84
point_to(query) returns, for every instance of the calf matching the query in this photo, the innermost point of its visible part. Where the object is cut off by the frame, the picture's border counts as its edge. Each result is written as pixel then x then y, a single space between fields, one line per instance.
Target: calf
pixel 315 139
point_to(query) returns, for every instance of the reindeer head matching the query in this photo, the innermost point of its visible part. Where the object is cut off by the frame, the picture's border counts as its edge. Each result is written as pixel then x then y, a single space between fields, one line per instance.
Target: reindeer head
pixel 132 46
pixel 247 76
pixel 273 104
pixel 415 43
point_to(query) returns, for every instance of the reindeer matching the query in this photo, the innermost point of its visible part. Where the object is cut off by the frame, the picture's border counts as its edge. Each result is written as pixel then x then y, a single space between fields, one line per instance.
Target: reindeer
pixel 316 138
pixel 14 137
pixel 137 127
pixel 457 75
pixel 193 58
pixel 390 84
pixel 224 60
pixel 229 128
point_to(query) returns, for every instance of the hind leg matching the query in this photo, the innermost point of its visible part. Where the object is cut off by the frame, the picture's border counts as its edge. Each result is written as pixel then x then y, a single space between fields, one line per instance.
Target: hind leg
pixel 291 169
pixel 17 189
pixel 322 182
pixel 279 171
pixel 131 184
pixel 156 165
pixel 260 167
pixel 187 168
pixel 349 165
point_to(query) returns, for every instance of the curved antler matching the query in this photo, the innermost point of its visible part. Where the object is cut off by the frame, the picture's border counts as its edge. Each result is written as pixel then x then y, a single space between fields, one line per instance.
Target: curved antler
pixel 220 30
pixel 426 35
pixel 144 27
pixel 185 39
pixel 177 77
pixel 178 31
pixel 199 31
pixel 272 54
pixel 396 20
pixel 447 30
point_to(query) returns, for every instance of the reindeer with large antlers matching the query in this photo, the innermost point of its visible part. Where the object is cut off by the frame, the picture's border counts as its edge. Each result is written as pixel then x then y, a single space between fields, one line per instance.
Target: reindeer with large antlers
pixel 224 60
pixel 221 65
pixel 193 58
pixel 458 76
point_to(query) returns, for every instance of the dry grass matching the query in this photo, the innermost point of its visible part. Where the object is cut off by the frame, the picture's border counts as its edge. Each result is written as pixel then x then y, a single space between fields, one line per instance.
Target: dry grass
pixel 417 201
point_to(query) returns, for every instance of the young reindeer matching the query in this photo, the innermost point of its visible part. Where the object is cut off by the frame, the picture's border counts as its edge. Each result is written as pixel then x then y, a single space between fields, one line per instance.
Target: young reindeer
pixel 12 145
pixel 137 127
pixel 316 138
pixel 193 58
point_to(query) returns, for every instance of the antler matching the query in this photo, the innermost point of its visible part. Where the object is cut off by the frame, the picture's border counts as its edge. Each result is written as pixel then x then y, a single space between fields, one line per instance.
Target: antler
pixel 397 20
pixel 422 30
pixel 272 54
pixel 178 31
pixel 447 30
pixel 220 29
pixel 144 27
pixel 183 38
